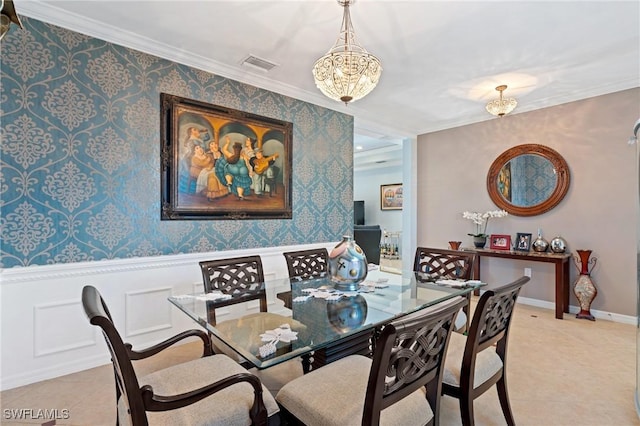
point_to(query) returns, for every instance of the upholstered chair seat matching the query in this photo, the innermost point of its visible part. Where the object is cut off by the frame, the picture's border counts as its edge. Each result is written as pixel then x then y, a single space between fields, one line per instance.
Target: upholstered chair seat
pixel 401 385
pixel 228 407
pixel 488 363
pixel 338 391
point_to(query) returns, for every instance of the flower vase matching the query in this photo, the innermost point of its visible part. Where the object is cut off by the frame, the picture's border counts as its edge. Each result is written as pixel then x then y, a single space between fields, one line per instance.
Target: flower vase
pixel 584 288
pixel 479 242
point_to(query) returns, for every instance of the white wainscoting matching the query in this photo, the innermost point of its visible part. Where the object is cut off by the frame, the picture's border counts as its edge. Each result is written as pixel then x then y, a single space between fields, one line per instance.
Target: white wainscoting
pixel 44 332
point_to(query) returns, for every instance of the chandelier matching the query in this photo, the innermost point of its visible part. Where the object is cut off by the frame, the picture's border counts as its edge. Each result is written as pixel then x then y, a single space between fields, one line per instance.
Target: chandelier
pixel 347 72
pixel 7 16
pixel 501 106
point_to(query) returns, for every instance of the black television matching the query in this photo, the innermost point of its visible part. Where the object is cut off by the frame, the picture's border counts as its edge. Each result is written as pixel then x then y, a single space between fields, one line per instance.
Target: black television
pixel 358 212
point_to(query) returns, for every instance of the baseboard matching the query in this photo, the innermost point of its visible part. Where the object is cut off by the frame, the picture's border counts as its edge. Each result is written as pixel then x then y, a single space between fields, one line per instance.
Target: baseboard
pixel 15 380
pixel 623 319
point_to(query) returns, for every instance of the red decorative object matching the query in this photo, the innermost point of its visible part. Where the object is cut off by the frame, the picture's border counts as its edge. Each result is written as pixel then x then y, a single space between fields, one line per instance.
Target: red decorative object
pixel 584 288
pixel 455 245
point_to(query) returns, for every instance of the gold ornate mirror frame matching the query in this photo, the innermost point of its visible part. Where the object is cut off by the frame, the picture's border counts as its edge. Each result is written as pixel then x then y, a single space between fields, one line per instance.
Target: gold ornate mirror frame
pixel 560 167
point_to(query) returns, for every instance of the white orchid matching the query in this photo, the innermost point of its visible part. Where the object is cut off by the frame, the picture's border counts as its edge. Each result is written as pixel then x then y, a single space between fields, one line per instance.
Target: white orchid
pixel 481 220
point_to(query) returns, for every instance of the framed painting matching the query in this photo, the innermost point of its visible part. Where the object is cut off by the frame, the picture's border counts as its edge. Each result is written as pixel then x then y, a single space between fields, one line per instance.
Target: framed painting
pixel 500 242
pixel 391 197
pixel 523 242
pixel 221 163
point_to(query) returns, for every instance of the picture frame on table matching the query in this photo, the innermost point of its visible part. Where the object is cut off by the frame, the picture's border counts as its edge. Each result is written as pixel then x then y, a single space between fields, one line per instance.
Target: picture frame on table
pixel 391 196
pixel 221 163
pixel 523 242
pixel 500 242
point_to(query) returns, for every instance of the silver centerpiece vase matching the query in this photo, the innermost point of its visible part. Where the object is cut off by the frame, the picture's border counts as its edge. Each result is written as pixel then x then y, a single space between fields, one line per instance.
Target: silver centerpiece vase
pixel 347 265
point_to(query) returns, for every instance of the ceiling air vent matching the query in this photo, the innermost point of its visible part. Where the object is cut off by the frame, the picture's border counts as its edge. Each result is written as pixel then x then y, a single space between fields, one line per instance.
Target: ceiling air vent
pixel 258 63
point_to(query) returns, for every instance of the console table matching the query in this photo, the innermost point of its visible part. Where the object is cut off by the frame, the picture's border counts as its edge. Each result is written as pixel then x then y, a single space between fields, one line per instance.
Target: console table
pixel 560 260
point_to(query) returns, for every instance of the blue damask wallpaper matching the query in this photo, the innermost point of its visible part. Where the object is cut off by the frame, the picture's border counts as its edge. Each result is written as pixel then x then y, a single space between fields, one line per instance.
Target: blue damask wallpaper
pixel 80 155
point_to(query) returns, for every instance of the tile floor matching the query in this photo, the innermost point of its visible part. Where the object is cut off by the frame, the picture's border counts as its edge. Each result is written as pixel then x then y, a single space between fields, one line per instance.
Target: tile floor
pixel 569 372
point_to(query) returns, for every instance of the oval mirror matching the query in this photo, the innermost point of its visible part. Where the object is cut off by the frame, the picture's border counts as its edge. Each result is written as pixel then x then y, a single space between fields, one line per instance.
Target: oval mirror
pixel 528 180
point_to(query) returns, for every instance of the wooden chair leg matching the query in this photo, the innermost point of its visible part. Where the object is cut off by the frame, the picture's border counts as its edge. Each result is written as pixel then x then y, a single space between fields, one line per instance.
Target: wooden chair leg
pixel 306 363
pixel 503 395
pixel 466 410
pixel 434 396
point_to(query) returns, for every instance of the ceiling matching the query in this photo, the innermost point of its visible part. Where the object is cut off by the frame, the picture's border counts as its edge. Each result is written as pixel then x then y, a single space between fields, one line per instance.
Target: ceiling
pixel 441 60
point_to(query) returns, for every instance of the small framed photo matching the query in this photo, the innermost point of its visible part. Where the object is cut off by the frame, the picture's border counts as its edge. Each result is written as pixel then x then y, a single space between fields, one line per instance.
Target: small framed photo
pixel 523 242
pixel 500 242
pixel 391 196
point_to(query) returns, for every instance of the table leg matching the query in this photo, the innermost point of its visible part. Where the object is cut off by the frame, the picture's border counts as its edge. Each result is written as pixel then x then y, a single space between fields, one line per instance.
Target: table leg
pixel 560 290
pixel 476 275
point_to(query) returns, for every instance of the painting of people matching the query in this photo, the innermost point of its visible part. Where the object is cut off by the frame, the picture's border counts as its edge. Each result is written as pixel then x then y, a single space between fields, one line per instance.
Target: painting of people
pixel 221 163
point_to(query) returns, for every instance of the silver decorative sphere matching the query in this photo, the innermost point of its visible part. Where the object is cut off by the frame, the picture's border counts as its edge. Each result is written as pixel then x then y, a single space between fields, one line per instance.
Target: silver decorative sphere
pixel 540 245
pixel 558 245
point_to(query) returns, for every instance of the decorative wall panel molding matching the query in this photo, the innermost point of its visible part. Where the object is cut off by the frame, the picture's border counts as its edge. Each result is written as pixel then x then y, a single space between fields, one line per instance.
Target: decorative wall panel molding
pixel 69 332
pixel 46 334
pixel 139 320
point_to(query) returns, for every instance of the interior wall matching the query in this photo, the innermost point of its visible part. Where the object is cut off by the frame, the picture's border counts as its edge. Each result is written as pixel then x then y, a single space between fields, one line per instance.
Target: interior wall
pixel 366 186
pixel 80 165
pixel 598 212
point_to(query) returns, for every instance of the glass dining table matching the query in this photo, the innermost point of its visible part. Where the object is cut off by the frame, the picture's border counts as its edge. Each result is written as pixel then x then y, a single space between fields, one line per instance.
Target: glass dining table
pixel 318 322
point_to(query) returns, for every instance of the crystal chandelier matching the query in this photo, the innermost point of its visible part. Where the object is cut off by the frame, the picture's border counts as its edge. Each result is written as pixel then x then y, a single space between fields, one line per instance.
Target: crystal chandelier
pixel 7 16
pixel 501 106
pixel 347 72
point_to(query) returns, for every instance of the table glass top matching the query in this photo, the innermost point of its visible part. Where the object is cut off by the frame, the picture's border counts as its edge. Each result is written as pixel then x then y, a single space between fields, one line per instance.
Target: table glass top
pixel 319 315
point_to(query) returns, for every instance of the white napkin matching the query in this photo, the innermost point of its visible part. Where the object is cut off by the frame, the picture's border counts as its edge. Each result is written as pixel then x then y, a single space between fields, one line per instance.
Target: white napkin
pixel 451 283
pixel 214 295
pixel 272 337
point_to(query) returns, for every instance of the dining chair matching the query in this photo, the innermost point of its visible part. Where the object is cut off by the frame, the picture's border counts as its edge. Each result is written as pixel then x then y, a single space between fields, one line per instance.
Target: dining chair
pixel 444 263
pixel 451 264
pixel 401 385
pixel 307 264
pixel 242 278
pixel 476 362
pixel 212 390
pixel 304 265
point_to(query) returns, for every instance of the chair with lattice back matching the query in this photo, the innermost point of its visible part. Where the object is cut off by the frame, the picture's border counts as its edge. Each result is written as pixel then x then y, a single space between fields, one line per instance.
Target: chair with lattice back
pixel 211 390
pixel 476 362
pixel 307 264
pixel 452 264
pixel 448 264
pixel 401 385
pixel 242 278
pixel 304 265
